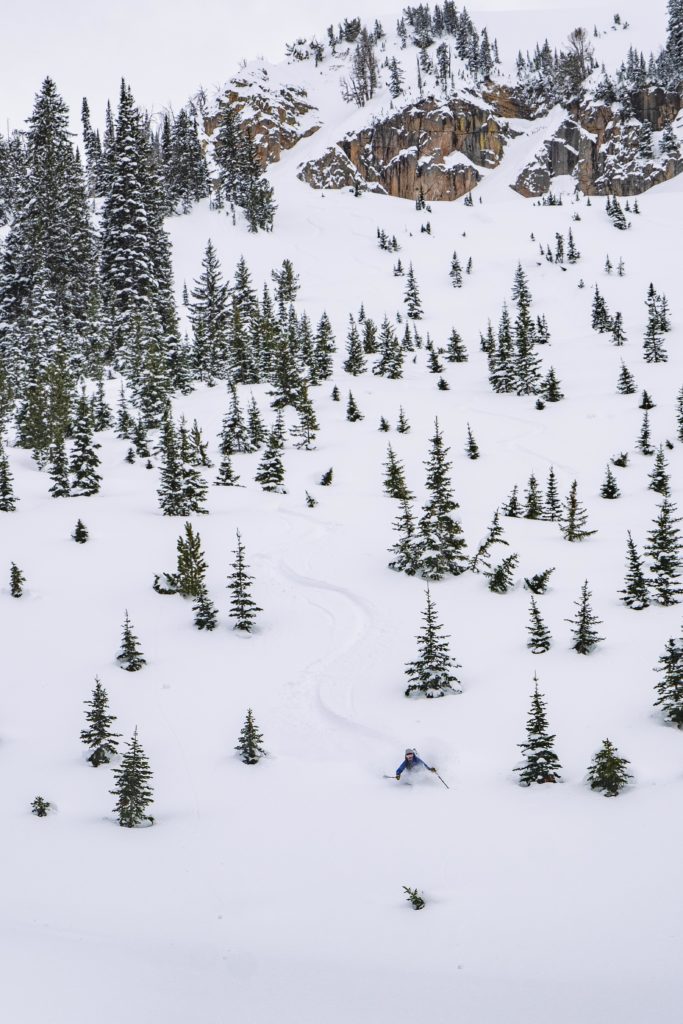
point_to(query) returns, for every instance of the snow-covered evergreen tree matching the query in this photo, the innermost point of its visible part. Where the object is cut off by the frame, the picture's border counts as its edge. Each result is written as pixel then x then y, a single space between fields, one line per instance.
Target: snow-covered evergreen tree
pixel 539 635
pixel 250 742
pixel 440 538
pixel 584 634
pixel 432 673
pixel 663 548
pixel 541 763
pixel 98 735
pixel 243 608
pixel 133 789
pixel 130 655
pixel 574 517
pixel 636 593
pixel 607 771
pixel 669 688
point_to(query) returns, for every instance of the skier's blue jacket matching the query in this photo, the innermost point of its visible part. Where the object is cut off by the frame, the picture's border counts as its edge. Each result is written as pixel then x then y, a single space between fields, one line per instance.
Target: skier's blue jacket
pixel 416 760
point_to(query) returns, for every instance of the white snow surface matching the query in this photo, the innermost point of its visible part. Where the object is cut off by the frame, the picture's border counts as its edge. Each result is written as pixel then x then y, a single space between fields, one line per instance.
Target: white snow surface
pixel 274 892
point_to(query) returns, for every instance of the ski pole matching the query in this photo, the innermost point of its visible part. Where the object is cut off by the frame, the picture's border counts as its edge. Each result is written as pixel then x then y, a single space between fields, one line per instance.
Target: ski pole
pixel 441 780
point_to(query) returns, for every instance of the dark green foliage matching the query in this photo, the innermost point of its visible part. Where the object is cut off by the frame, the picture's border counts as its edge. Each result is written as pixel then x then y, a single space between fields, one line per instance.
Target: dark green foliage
pixel 659 477
pixel 205 611
pixel 191 565
pixel 626 385
pixel 553 507
pixel 8 502
pixel 539 634
pixel 412 296
pixel 574 518
pixel 307 428
pixel 80 534
pixel 250 742
pixel 471 447
pixel 403 426
pixel 643 443
pixel 390 362
pixel 679 415
pixel 431 674
pixel 600 317
pixel 610 488
pixel 670 687
pixel 584 635
pixel 59 469
pixel 384 425
pixel 394 478
pixel 617 329
pixel 182 490
pixel 243 608
pixel 40 807
pixel 255 426
pixel 97 736
pixel 241 179
pixel 326 478
pixel 664 551
pixel 551 388
pixel 645 401
pixel 355 362
pixel 130 654
pixel 512 507
pixel 538 584
pixel 199 454
pixel 501 577
pixel 456 351
pixel 310 500
pixel 636 592
pixel 132 789
pixel 440 538
pixel 534 502
pixel 607 771
pixel 494 536
pixel 227 477
pixel 270 472
pixel 405 551
pixel 16 581
pixel 353 413
pixel 620 460
pixel 414 898
pixel 455 273
pixel 84 459
pixel 286 281
pixel 336 396
pixel 541 763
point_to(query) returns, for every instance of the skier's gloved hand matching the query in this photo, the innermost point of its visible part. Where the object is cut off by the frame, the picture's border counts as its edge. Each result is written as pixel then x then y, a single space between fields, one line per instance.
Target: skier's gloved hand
pixel 432 769
pixel 398 778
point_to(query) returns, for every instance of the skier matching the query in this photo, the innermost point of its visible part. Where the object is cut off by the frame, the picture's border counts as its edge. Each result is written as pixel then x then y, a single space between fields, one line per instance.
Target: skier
pixel 411 762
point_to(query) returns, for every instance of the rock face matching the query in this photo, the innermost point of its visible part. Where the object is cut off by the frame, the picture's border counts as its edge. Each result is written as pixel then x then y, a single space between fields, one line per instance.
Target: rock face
pixel 275 117
pixel 604 148
pixel 429 146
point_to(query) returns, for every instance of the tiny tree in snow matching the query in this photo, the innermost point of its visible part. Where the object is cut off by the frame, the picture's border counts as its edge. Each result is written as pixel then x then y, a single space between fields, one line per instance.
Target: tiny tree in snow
pixel 541 763
pixel 471 447
pixel 402 426
pixel 130 654
pixel 243 608
pixel 132 790
pixel 610 488
pixel 664 550
pixel 8 502
pixel 16 581
pixel 431 674
pixel 205 611
pixel 405 551
pixel 394 477
pixel 584 634
pixel 636 592
pixel 353 413
pixel 659 477
pixel 501 577
pixel 80 534
pixel 626 384
pixel 98 736
pixel 250 742
pixel 607 771
pixel 539 634
pixel 574 517
pixel 644 443
pixel 40 807
pixel 669 689
pixel 412 296
pixel 538 584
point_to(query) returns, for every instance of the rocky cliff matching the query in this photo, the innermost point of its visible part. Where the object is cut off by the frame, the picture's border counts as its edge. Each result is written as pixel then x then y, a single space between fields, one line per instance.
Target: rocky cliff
pixel 430 146
pixel 276 116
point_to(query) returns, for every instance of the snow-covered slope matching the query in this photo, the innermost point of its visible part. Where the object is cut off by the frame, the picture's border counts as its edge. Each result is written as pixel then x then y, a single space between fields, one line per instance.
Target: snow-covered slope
pixel 274 892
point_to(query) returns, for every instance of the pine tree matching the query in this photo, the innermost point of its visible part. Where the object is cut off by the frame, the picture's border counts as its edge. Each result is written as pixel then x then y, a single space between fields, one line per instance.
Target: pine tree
pixel 541 763
pixel 132 789
pixel 534 502
pixel 8 502
pixel 255 426
pixel 512 509
pixel 501 577
pixel 308 425
pixel 205 611
pixel 384 425
pixel 653 346
pixel 553 507
pixel 310 500
pixel 626 385
pixel 326 478
pixel 355 362
pixel 610 488
pixel 539 635
pixel 130 654
pixel 456 351
pixel 493 536
pixel 432 673
pixel 59 469
pixel 471 447
pixel 584 635
pixel 390 362
pixel 353 413
pixel 40 807
pixel 97 735
pixel 607 771
pixel 394 478
pixel 636 593
pixel 80 534
pixel 551 388
pixel 270 472
pixel 16 581
pixel 323 348
pixel 406 555
pixel 538 584
pixel 243 608
pixel 440 537
pixel 455 273
pixel 659 477
pixel 403 426
pixel 412 296
pixel 600 317
pixel 574 517
pixel 191 563
pixel 664 551
pixel 669 689
pixel 617 330
pixel 193 487
pixel 249 745
pixel 84 458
